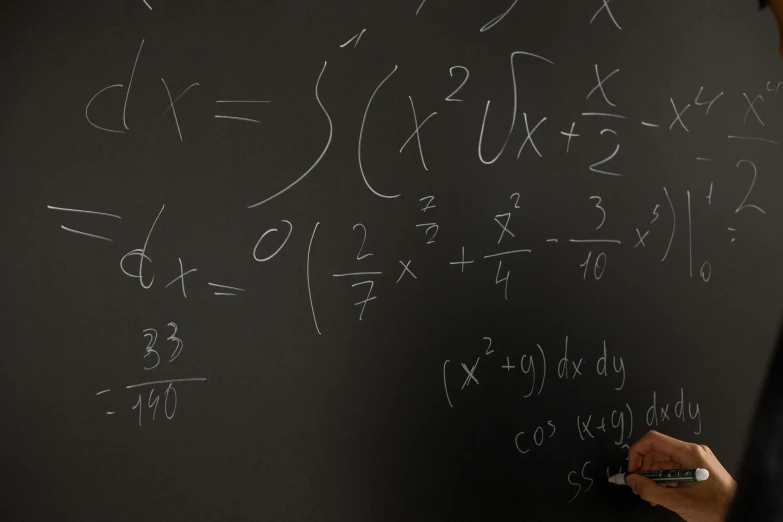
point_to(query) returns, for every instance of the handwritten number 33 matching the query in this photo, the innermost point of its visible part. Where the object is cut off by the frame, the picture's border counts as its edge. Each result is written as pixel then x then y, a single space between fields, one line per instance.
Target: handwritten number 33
pixel 152 336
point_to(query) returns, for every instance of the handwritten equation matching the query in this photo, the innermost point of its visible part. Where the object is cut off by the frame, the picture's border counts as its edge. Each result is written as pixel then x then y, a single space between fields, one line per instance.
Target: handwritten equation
pixel 529 369
pixel 522 239
pixel 147 404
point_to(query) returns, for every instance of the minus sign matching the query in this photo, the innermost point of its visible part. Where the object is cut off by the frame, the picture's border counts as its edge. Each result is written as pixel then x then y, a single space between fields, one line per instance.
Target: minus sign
pixel 109 413
pixel 551 240
pixel 704 159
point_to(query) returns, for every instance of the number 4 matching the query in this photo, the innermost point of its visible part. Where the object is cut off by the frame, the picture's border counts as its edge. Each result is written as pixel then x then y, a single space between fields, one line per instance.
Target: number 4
pixel 505 279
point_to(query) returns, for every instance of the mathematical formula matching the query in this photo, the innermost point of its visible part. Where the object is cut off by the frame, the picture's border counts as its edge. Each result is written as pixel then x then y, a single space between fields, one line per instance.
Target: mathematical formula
pixel 363 270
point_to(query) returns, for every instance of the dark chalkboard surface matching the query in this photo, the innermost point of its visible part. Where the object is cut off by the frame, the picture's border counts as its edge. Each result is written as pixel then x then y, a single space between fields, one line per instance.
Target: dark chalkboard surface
pixel 379 260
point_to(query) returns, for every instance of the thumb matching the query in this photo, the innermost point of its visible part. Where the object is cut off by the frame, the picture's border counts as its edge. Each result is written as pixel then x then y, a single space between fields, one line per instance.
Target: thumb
pixel 652 492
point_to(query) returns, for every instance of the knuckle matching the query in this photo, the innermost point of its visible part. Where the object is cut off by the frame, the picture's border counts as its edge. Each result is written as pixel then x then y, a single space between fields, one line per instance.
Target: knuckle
pixel 704 451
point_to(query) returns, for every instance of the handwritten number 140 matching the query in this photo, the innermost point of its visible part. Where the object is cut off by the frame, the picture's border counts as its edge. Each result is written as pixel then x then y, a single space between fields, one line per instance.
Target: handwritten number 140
pixel 169 403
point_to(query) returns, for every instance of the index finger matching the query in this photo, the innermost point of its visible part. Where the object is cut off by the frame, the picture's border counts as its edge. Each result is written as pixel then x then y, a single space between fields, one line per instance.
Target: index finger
pixel 660 443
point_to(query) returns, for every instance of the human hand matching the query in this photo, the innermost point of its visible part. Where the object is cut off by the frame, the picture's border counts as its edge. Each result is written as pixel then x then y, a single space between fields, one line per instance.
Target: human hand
pixel 705 501
pixel 777 10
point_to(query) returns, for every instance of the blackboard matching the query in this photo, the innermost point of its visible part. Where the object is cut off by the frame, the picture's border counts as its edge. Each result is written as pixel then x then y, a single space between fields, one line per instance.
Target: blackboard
pixel 380 260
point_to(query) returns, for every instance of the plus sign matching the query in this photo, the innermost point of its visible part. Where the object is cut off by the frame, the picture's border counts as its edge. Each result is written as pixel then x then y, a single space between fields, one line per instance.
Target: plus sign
pixel 570 135
pixel 463 262
pixel 508 366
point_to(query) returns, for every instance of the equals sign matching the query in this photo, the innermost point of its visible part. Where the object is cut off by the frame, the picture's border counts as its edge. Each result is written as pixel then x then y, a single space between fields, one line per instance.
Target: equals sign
pixel 88 212
pixel 222 290
pixel 239 118
pixel 101 393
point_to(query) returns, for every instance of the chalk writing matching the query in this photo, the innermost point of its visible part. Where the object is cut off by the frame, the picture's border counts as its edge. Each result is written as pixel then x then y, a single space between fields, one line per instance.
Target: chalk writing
pixel 497 217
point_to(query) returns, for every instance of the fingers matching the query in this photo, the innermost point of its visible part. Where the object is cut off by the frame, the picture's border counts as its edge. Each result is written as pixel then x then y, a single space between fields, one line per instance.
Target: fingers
pixel 666 465
pixel 657 443
pixel 654 458
pixel 653 493
pixel 663 465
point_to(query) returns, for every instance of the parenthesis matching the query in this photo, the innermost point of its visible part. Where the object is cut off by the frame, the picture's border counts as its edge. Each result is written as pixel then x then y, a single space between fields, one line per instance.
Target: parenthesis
pixel 309 288
pixel 630 428
pixel 543 379
pixel 361 137
pixel 674 224
pixel 445 387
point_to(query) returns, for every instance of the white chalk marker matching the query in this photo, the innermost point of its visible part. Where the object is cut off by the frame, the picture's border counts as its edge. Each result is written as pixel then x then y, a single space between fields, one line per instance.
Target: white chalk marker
pixel 665 475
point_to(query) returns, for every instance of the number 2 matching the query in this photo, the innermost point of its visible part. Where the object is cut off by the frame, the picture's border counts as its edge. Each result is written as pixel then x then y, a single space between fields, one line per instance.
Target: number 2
pixel 743 206
pixel 515 196
pixel 489 346
pixel 430 226
pixel 451 73
pixel 593 167
pixel 359 256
